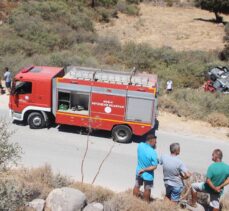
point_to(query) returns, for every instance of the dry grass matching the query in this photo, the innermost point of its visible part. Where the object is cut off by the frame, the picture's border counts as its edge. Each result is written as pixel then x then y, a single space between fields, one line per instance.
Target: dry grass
pixel 39 181
pixel 225 202
pixel 176 27
pixel 218 120
pixel 127 202
pixel 24 185
pixel 94 193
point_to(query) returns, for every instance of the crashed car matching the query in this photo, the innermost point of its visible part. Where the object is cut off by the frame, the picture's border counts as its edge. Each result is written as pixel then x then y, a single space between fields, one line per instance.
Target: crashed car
pixel 218 80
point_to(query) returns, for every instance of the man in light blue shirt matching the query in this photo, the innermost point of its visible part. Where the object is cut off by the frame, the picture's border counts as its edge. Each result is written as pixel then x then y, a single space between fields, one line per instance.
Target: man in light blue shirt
pixel 147 163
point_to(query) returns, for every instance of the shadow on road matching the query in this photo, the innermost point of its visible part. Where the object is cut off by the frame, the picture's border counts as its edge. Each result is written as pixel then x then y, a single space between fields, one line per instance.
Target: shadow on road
pixel 210 21
pixel 103 133
pixel 84 131
pixel 95 133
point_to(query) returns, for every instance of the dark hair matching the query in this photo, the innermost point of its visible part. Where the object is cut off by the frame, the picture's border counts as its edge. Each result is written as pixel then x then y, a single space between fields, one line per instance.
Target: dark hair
pixel 6 68
pixel 150 136
pixel 218 153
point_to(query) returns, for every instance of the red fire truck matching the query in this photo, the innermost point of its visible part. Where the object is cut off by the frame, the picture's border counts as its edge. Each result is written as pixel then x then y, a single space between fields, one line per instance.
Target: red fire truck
pixel 122 102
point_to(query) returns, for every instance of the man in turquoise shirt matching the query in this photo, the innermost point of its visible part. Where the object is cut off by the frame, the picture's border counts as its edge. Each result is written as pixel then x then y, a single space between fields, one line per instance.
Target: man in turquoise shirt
pixel 147 163
pixel 217 179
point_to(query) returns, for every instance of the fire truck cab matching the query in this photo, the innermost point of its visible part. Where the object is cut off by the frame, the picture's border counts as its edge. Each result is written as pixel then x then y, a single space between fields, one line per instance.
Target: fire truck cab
pixel 124 103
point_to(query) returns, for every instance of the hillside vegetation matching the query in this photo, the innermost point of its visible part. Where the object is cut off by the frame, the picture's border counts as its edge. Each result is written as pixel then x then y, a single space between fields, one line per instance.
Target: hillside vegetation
pixel 64 32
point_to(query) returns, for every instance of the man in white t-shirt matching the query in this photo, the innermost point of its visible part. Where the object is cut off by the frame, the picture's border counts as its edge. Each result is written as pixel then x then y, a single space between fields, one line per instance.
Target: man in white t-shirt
pixel 169 86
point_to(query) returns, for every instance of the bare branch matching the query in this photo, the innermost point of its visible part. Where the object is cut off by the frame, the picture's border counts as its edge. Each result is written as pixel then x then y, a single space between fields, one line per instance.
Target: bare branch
pixel 83 160
pixel 101 164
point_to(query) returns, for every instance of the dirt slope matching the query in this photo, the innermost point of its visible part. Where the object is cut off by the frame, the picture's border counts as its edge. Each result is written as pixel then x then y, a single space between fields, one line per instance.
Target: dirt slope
pixel 168 26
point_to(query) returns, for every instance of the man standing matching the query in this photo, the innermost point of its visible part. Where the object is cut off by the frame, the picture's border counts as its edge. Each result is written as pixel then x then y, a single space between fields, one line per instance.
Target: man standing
pixel 7 78
pixel 147 163
pixel 169 86
pixel 217 179
pixel 174 172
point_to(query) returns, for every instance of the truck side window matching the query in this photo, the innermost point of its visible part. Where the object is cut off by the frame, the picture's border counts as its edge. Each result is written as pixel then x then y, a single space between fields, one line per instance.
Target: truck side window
pixel 23 87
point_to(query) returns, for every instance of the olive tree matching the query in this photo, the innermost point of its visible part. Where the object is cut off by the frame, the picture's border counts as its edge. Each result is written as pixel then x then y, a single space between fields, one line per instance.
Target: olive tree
pixel 216 6
pixel 225 53
pixel 9 152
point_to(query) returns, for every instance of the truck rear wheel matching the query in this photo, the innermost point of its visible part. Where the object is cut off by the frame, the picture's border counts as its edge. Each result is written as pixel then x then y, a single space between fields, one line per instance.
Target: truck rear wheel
pixel 36 120
pixel 121 133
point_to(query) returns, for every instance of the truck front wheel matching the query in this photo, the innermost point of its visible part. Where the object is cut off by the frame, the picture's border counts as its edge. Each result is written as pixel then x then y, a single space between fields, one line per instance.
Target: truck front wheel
pixel 36 120
pixel 121 133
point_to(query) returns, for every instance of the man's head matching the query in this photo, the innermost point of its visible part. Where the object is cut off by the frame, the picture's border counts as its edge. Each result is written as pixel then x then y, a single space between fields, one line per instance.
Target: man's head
pixel 175 148
pixel 217 155
pixel 152 140
pixel 6 69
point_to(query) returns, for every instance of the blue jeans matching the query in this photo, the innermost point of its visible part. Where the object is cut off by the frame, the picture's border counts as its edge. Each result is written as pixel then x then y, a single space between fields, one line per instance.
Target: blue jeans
pixel 173 193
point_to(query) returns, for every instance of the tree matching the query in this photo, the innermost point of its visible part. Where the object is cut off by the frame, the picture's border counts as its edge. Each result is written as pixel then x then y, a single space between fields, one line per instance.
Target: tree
pixel 216 6
pixel 225 53
pixel 9 152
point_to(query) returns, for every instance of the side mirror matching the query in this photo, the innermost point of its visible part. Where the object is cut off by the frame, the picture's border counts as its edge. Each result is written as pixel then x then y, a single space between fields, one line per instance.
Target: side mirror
pixel 13 91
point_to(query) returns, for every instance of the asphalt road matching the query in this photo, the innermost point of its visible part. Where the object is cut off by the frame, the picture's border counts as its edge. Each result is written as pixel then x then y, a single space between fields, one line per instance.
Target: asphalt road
pixel 63 149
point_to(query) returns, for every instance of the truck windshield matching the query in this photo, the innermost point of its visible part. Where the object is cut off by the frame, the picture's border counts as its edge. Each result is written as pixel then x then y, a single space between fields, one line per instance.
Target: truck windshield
pixel 23 87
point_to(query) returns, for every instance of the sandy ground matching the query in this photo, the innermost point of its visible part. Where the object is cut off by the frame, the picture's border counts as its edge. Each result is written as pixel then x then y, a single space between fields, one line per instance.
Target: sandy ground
pixel 179 28
pixel 173 123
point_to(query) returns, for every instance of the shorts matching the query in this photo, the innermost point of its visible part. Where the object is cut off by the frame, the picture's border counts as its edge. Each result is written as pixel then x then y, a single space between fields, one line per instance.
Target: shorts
pixel 140 181
pixel 173 193
pixel 214 197
pixel 8 84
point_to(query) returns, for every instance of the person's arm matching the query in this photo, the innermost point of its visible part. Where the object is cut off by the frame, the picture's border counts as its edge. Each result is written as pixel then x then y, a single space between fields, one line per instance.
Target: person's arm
pixel 185 175
pixel 210 173
pixel 154 163
pixel 184 172
pixel 160 160
pixel 150 168
pixel 210 184
pixel 226 182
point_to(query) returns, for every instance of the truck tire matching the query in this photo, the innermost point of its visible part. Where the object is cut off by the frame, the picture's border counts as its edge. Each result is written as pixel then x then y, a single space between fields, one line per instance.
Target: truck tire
pixel 121 134
pixel 36 120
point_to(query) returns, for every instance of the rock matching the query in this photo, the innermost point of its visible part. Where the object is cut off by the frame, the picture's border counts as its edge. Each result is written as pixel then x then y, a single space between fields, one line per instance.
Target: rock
pixel 198 208
pixel 65 199
pixel 37 204
pixel 94 207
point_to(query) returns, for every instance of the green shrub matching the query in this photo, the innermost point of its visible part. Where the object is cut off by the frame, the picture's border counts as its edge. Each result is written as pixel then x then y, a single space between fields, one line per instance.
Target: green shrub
pixel 106 3
pixel 197 104
pixel 134 1
pixel 9 152
pixel 45 26
pixel 107 45
pixel 225 53
pixel 12 194
pixel 121 5
pixel 132 9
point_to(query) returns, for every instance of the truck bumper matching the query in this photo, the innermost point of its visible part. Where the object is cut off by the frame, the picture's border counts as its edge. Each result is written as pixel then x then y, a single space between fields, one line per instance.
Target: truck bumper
pixel 16 116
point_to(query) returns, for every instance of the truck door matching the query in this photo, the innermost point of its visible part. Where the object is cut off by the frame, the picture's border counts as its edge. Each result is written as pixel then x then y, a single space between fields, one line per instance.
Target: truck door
pixel 21 96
